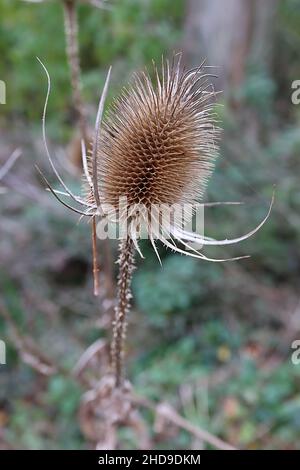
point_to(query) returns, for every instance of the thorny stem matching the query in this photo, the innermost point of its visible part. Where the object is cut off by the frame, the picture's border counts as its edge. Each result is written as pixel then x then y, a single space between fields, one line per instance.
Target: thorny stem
pixel 126 267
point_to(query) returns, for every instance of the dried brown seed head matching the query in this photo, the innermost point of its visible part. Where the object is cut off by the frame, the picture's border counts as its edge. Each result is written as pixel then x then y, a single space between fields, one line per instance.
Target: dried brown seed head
pixel 157 147
pixel 158 142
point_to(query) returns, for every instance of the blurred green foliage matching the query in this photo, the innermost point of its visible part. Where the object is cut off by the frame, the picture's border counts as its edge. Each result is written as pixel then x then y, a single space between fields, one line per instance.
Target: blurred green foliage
pixel 192 320
pixel 129 36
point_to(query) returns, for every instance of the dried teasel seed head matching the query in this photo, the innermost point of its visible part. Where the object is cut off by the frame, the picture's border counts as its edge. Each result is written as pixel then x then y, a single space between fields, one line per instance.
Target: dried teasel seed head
pixel 156 147
pixel 159 139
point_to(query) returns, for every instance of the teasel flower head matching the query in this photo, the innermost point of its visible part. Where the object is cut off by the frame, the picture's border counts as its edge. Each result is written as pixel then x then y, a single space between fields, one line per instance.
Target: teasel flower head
pixel 158 144
pixel 156 150
pixel 159 140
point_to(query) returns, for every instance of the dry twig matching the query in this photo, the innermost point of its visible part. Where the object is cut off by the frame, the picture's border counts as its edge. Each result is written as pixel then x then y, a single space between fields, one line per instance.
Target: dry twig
pixel 10 163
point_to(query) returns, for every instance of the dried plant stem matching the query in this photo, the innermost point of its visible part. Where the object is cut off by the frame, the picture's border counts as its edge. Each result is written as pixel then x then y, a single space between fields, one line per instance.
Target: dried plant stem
pixel 10 163
pixel 166 412
pixel 71 32
pixel 95 258
pixel 126 267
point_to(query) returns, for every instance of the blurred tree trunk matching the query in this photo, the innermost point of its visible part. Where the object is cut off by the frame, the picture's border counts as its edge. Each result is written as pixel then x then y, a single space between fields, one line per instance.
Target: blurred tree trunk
pixel 230 35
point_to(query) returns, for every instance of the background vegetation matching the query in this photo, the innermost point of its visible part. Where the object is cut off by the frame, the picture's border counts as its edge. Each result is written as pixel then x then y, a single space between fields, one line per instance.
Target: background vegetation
pixel 214 340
